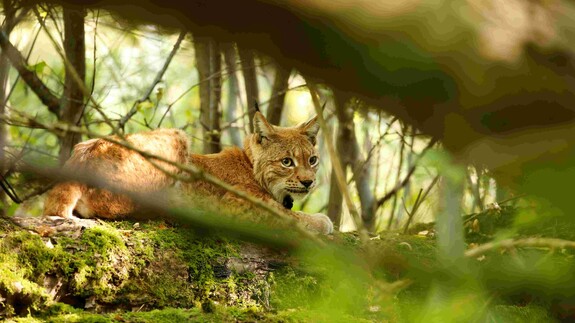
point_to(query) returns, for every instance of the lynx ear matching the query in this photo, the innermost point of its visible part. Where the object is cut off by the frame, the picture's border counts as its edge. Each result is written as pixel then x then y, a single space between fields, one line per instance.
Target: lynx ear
pixel 310 128
pixel 262 128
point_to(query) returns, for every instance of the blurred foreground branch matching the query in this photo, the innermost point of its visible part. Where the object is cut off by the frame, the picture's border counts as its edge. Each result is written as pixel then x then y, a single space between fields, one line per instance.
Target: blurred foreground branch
pixel 529 242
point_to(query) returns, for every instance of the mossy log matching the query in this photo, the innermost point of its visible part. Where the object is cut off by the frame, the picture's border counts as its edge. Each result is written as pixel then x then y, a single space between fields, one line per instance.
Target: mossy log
pixel 106 266
pixel 91 270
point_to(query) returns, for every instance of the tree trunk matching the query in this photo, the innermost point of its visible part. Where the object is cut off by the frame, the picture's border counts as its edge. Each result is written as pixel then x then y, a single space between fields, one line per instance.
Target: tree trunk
pixel 350 150
pixel 202 51
pixel 73 98
pixel 409 163
pixel 233 94
pixel 208 64
pixel 334 207
pixel 215 96
pixel 397 181
pixel 9 12
pixel 475 189
pixel 276 102
pixel 248 61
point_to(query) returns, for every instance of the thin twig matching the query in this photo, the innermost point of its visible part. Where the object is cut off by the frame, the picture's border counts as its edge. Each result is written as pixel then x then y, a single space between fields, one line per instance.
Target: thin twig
pixel 36 85
pixel 419 202
pixel 157 80
pixel 413 210
pixel 529 242
pixel 74 74
pixel 407 177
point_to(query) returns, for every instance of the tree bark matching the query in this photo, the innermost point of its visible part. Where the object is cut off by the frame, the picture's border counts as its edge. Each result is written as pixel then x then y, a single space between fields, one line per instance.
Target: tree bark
pixel 72 106
pixel 248 61
pixel 334 207
pixel 9 13
pixel 215 97
pixel 475 189
pixel 397 180
pixel 45 95
pixel 208 64
pixel 409 164
pixel 202 51
pixel 233 93
pixel 350 152
pixel 277 99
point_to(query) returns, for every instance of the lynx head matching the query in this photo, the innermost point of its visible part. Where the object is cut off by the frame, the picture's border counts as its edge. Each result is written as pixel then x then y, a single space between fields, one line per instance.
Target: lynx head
pixel 285 160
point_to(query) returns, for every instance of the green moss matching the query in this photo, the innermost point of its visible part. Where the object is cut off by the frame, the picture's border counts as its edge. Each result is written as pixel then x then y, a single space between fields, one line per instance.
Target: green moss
pixel 33 254
pixel 103 263
pixel 219 314
pixel 293 289
pixel 19 294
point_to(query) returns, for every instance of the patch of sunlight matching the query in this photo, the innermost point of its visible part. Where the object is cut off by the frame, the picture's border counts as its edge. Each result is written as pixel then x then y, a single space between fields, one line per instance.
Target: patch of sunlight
pixel 300 107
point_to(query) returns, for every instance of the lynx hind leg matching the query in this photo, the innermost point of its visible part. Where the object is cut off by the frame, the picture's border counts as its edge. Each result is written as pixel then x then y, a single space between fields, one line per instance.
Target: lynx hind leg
pixel 62 199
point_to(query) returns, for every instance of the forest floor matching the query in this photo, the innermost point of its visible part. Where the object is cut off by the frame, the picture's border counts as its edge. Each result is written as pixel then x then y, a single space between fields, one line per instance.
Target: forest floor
pixel 125 271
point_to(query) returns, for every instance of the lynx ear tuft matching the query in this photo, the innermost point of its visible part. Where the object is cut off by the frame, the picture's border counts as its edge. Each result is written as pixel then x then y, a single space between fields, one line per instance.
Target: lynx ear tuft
pixel 310 128
pixel 262 128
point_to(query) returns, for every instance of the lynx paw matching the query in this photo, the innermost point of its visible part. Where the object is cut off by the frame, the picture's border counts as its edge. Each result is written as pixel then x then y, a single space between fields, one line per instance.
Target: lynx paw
pixel 321 223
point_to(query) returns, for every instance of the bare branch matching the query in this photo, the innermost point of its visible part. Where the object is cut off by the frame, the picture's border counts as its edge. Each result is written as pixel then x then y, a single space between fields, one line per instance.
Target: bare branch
pixel 529 242
pixel 74 74
pixel 419 202
pixel 407 177
pixel 157 80
pixel 32 80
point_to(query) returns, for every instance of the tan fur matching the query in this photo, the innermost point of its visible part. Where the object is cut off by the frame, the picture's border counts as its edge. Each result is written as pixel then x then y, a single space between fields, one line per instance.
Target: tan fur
pixel 256 169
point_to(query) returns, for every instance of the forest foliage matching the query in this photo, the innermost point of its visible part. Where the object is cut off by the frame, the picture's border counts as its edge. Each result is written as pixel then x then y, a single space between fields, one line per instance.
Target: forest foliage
pixel 69 74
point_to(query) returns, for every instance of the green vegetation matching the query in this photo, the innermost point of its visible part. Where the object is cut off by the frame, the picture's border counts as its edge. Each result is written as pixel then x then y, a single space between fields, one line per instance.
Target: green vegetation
pixel 154 272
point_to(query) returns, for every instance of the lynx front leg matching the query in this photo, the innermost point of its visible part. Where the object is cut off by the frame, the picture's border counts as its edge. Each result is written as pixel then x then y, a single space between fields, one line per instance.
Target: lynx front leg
pixel 317 222
pixel 62 199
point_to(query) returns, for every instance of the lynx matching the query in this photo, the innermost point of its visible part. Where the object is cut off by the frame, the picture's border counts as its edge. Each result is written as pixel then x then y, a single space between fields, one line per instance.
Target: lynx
pixel 277 165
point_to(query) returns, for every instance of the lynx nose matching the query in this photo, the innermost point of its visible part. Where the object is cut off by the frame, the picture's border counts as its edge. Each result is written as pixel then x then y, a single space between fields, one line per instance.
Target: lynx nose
pixel 307 183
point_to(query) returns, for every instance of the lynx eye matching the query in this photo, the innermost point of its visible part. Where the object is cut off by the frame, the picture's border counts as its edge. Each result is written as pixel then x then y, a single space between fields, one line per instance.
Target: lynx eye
pixel 313 160
pixel 287 162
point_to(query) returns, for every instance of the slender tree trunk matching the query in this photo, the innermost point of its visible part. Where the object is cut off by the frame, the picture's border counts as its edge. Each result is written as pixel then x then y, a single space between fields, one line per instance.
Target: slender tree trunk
pixel 475 190
pixel 233 94
pixel 9 12
pixel 335 202
pixel 276 102
pixel 202 51
pixel 409 164
pixel 73 99
pixel 334 206
pixel 215 96
pixel 208 63
pixel 248 61
pixel 356 161
pixel 397 181
pixel 349 153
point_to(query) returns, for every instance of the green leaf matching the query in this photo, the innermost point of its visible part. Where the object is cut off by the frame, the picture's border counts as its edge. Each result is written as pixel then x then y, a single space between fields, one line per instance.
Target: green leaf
pixel 38 68
pixel 145 105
